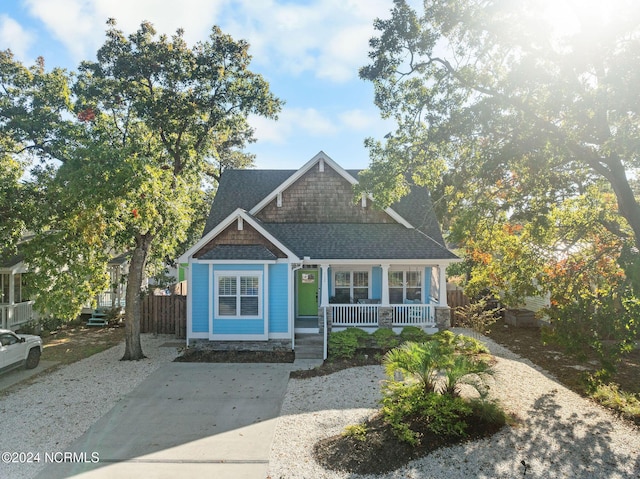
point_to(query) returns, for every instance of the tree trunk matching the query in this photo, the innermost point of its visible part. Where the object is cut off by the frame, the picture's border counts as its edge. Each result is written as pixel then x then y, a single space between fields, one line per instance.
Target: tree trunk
pixel 133 348
pixel 627 205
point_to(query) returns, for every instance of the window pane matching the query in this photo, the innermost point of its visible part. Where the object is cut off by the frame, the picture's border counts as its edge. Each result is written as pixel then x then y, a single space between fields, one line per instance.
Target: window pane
pixel 360 293
pixel 227 306
pixel 249 286
pixel 343 279
pixel 414 293
pixel 227 286
pixel 395 278
pixel 343 295
pixel 248 306
pixel 17 297
pixel 395 295
pixel 360 278
pixel 414 279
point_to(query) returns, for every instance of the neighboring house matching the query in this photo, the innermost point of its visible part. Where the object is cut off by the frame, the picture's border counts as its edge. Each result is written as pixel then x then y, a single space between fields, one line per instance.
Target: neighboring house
pixel 286 250
pixel 114 297
pixel 15 308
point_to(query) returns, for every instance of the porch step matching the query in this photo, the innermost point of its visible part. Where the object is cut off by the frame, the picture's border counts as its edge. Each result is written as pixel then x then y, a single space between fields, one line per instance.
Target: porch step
pixel 309 346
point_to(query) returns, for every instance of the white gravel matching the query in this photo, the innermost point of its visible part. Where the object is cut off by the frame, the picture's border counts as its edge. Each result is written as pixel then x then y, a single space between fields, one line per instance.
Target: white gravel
pixel 561 435
pixel 58 407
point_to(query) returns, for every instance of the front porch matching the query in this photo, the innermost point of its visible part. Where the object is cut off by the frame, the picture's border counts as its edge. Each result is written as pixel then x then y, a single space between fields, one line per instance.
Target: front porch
pixel 12 316
pixel 366 295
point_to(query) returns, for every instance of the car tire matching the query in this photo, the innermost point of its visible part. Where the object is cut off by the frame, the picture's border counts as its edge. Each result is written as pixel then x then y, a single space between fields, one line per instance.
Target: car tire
pixel 33 358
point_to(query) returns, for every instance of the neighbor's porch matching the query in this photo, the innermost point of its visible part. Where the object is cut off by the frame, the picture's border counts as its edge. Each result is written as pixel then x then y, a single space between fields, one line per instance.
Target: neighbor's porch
pixel 15 309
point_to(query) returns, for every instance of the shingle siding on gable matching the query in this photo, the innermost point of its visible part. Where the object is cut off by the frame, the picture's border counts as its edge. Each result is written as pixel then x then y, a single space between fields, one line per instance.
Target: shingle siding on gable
pixel 321 197
pixel 247 236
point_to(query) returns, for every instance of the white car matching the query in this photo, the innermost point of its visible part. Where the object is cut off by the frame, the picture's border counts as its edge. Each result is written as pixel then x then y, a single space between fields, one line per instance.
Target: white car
pixel 19 349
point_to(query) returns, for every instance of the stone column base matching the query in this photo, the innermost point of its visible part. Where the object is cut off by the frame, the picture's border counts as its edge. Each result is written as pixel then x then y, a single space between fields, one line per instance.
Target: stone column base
pixel 443 317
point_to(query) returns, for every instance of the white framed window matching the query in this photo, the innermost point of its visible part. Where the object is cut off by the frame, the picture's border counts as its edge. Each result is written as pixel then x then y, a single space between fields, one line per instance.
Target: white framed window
pixel 351 285
pixel 238 294
pixel 405 286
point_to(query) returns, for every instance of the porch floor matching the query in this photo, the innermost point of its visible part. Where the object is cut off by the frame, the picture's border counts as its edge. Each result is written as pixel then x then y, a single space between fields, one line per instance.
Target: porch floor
pixel 306 325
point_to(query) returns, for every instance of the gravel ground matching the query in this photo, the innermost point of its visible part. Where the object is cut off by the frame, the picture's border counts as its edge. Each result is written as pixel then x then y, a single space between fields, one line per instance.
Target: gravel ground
pixel 56 409
pixel 561 435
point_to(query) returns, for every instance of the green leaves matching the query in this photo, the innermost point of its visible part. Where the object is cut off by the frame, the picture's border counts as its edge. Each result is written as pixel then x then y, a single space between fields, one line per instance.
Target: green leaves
pixel 134 138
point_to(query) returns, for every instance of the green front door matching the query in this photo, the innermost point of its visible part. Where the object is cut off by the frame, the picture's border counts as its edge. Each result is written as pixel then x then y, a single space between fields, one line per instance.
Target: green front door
pixel 307 284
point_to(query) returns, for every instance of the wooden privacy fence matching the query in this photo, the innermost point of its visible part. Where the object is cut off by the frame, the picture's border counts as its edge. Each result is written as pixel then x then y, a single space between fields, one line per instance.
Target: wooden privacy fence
pixel 455 299
pixel 164 315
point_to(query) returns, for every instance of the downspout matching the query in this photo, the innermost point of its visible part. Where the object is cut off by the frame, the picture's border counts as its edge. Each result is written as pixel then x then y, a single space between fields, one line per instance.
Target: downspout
pixel 324 358
pixel 293 316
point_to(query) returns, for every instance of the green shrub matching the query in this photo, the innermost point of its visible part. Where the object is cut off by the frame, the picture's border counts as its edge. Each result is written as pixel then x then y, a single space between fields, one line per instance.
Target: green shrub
pixel 408 409
pixel 343 344
pixel 468 345
pixel 385 338
pixel 488 412
pixel 356 431
pixel 413 334
pixel 625 403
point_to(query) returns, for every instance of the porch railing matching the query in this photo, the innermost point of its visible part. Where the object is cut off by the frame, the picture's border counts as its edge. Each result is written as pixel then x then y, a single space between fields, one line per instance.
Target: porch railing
pixel 368 314
pixel 413 315
pixel 355 314
pixel 110 299
pixel 14 315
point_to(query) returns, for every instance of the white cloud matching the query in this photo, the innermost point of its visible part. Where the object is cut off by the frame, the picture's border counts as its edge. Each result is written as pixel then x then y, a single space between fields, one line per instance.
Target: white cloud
pixel 15 37
pixel 359 120
pixel 293 121
pixel 326 37
pixel 80 24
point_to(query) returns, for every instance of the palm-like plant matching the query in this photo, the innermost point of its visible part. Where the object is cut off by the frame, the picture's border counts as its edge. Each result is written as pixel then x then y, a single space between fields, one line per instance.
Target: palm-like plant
pixel 421 361
pixel 463 370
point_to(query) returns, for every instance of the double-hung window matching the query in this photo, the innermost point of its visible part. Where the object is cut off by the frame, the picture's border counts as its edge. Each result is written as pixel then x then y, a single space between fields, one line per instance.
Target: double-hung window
pixel 238 294
pixel 405 285
pixel 351 286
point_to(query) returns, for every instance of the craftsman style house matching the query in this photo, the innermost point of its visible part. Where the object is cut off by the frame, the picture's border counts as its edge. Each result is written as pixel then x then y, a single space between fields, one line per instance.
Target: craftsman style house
pixel 290 250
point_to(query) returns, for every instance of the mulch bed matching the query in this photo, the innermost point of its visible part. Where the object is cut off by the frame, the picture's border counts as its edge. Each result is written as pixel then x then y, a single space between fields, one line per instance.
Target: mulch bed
pixel 210 356
pixel 381 451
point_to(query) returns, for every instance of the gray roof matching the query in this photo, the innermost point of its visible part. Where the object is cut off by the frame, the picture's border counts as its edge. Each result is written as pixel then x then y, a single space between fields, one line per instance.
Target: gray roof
pixel 357 241
pixel 246 188
pixel 232 251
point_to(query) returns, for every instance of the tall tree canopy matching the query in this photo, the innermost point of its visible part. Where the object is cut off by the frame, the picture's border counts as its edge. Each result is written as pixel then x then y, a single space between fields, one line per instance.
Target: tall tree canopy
pixel 512 116
pixel 525 128
pixel 152 118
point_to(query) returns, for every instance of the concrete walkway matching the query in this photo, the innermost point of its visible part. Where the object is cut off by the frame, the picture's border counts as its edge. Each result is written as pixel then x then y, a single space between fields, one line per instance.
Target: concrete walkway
pixel 185 420
pixel 18 375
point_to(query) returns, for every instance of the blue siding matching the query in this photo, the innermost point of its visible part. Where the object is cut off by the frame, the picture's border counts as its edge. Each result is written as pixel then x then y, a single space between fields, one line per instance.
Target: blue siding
pixel 427 284
pixel 329 283
pixel 278 298
pixel 238 326
pixel 376 282
pixel 200 298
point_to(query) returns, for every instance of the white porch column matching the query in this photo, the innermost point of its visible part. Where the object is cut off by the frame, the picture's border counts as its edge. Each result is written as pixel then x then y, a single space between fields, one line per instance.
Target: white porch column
pixel 385 285
pixel 324 288
pixel 442 285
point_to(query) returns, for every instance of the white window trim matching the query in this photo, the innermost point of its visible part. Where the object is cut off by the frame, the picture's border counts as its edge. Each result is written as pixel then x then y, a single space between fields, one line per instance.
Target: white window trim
pixel 237 275
pixel 405 270
pixel 351 270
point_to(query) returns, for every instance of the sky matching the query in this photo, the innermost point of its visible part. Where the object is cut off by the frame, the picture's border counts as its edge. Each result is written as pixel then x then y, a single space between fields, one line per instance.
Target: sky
pixel 309 51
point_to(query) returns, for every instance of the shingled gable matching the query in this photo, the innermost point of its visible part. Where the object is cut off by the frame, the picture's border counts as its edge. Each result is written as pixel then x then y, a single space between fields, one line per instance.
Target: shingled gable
pixel 270 248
